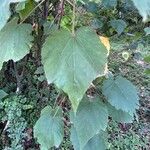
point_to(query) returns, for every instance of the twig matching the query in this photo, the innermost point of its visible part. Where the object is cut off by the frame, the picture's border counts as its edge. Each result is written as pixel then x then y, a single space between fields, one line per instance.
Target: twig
pixel 64 98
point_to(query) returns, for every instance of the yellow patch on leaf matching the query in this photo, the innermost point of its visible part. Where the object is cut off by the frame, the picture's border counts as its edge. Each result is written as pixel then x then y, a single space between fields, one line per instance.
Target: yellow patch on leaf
pixel 105 41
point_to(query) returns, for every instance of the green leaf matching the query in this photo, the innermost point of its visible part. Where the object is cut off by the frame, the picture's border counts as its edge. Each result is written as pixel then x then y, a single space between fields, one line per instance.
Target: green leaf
pixel 2 94
pixel 90 118
pixel 15 41
pixel 73 62
pixel 147 71
pixel 119 115
pixel 97 142
pixel 147 59
pixel 109 3
pixel 119 25
pixel 121 94
pixel 5 12
pixel 74 138
pixel 25 8
pixel 143 7
pixel 147 30
pixel 49 129
pixel 96 24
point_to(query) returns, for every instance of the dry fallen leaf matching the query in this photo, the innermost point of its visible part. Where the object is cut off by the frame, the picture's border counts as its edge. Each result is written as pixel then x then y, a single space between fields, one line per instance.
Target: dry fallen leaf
pixel 105 41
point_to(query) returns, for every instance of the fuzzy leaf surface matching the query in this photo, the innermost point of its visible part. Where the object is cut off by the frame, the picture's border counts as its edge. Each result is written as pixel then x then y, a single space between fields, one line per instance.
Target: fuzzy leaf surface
pixel 73 62
pixel 97 142
pixel 90 118
pixel 49 129
pixel 15 41
pixel 120 115
pixel 121 94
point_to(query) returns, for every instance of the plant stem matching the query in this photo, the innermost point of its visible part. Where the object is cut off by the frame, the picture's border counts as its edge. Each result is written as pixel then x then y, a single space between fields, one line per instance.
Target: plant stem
pixel 64 98
pixel 73 17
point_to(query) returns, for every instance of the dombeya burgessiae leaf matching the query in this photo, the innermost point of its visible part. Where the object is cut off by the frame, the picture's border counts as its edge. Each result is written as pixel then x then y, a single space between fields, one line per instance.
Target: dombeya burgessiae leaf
pixel 5 12
pixel 121 94
pixel 15 41
pixel 73 62
pixel 90 118
pixel 97 142
pixel 49 129
pixel 143 7
pixel 119 115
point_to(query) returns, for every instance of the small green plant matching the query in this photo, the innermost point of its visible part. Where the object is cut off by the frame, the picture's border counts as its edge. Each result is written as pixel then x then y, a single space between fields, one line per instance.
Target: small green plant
pixel 15 124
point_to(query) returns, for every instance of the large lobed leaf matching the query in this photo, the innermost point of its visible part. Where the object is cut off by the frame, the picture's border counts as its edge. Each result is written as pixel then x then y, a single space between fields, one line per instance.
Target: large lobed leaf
pixel 73 62
pixel 91 117
pixel 15 41
pixel 5 12
pixel 121 94
pixel 49 129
